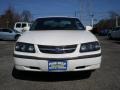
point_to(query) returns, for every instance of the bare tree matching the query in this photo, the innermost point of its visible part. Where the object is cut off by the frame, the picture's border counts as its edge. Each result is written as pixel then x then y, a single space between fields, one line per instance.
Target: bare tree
pixel 113 14
pixel 113 21
pixel 8 19
pixel 26 16
pixel 10 16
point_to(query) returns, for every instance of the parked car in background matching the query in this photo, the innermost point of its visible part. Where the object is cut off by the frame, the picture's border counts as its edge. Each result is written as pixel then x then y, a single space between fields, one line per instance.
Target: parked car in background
pixel 114 33
pixel 57 44
pixel 103 32
pixel 9 34
pixel 22 26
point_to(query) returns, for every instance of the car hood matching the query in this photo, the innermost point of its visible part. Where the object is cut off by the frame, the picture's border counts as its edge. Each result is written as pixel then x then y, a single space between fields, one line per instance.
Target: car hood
pixel 57 37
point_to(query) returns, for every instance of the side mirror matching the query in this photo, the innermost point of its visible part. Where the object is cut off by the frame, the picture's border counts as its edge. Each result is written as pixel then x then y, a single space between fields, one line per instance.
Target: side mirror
pixel 25 29
pixel 88 28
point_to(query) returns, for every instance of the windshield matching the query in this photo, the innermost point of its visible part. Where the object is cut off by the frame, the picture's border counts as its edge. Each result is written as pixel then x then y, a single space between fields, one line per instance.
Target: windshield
pixel 116 29
pixel 57 24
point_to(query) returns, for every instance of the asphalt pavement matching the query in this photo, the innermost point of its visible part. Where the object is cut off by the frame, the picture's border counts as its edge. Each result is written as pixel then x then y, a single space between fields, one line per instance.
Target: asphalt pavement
pixel 105 78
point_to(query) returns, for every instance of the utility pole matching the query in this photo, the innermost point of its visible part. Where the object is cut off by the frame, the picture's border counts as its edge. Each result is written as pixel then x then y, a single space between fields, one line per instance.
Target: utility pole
pixel 75 13
pixel 81 8
pixel 116 21
pixel 92 20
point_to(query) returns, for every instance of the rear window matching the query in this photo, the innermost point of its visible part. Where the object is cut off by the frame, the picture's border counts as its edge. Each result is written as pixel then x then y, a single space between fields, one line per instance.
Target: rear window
pixel 24 25
pixel 116 29
pixel 1 30
pixel 18 25
pixel 6 30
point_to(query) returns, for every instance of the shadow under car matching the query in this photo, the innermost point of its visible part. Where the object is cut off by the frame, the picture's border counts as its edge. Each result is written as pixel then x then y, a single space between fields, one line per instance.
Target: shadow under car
pixel 50 76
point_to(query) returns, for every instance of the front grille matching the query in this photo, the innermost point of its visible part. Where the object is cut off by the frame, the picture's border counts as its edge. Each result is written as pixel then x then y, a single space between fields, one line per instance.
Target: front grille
pixel 57 49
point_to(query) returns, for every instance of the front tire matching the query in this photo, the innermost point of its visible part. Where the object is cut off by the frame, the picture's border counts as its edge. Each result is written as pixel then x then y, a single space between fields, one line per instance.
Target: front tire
pixel 110 37
pixel 16 73
pixel 16 37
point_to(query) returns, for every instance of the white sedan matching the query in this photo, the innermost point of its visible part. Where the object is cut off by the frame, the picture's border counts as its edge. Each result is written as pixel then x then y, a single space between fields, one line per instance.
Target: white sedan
pixel 114 33
pixel 57 44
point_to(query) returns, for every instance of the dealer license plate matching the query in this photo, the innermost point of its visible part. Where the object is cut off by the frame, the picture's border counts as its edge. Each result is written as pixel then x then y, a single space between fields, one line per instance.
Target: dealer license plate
pixel 57 65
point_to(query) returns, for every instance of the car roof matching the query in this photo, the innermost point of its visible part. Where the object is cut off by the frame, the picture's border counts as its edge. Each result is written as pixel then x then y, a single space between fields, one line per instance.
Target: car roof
pixel 21 22
pixel 5 28
pixel 56 17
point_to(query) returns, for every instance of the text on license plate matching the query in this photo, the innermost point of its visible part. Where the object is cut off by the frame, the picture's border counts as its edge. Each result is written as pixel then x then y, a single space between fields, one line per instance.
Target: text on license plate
pixel 57 65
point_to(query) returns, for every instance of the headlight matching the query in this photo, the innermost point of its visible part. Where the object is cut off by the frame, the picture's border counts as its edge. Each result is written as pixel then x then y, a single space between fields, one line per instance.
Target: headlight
pixel 91 46
pixel 25 47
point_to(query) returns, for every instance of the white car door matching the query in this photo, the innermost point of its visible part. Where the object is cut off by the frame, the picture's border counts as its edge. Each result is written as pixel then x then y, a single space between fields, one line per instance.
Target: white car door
pixel 118 33
pixel 114 33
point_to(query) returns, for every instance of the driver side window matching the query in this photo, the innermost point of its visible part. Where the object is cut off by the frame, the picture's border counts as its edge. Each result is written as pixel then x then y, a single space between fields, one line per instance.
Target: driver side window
pixel 7 30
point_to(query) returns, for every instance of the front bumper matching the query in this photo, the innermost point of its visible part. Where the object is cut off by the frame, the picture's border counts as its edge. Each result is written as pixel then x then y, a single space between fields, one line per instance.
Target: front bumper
pixel 82 63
